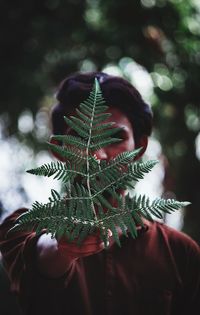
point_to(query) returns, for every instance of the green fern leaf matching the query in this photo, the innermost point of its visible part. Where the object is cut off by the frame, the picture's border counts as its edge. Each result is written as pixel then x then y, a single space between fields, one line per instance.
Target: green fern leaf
pixel 86 207
pixel 68 139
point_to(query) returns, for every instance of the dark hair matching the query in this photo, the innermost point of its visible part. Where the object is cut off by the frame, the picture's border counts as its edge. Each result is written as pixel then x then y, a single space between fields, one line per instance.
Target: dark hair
pixel 117 92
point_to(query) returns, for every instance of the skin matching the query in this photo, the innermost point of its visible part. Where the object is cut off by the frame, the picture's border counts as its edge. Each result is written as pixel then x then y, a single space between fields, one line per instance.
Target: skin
pixel 54 258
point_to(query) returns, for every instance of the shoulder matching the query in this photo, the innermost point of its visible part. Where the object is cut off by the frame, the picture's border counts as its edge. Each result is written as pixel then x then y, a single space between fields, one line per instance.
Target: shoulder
pixel 173 239
pixel 9 221
pixel 13 215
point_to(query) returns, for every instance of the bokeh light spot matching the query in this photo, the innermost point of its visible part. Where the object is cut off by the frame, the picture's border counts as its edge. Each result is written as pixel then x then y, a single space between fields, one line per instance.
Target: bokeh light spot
pixel 25 122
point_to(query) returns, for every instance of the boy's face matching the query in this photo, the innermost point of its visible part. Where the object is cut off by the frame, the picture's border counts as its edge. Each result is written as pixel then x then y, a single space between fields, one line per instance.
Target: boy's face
pixel 111 151
pixel 126 134
pixel 127 142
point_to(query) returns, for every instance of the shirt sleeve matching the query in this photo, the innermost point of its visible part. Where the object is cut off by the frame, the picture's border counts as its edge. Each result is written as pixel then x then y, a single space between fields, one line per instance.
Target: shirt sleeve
pixel 19 258
pixel 12 247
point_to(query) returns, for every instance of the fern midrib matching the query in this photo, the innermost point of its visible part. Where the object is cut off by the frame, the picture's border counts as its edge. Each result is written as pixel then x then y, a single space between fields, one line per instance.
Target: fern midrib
pixel 71 219
pixel 75 220
pixel 87 153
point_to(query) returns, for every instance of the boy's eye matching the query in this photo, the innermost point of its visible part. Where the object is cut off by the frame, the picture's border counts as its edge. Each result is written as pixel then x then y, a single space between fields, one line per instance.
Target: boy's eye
pixel 120 134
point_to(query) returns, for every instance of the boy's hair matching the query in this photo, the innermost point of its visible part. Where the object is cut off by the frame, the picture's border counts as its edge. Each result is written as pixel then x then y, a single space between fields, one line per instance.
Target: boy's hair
pixel 116 91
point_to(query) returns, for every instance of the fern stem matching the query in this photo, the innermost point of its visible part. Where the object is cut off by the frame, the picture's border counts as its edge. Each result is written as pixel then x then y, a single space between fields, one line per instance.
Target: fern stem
pixel 87 151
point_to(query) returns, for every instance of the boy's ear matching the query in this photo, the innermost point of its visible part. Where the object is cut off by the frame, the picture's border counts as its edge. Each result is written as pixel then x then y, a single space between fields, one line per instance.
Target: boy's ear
pixel 56 155
pixel 143 142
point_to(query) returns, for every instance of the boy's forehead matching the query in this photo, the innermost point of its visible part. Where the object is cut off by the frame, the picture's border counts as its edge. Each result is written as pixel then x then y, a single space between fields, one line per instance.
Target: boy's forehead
pixel 120 119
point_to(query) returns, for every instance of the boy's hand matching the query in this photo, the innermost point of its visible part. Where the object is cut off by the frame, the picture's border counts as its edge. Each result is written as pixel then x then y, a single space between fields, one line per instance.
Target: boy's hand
pixel 54 258
pixel 91 245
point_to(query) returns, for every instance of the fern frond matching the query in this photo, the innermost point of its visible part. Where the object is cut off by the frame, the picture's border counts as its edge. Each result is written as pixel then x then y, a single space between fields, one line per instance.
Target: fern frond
pixel 68 152
pixel 68 139
pixel 86 205
pixel 55 196
pixel 104 133
pixel 156 207
pixel 102 118
pixel 122 159
pixel 59 170
pixel 94 146
pixel 138 169
pixel 117 178
pixel 80 131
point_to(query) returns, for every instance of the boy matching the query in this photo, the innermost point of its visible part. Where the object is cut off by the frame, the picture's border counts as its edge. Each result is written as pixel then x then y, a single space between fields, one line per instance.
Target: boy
pixel 158 273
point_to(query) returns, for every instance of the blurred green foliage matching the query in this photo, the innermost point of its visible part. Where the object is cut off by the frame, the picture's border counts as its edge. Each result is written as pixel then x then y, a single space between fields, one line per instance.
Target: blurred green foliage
pixel 42 41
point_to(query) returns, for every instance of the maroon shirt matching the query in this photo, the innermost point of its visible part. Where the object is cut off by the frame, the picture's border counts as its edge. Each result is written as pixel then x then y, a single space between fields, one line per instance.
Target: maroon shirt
pixel 158 273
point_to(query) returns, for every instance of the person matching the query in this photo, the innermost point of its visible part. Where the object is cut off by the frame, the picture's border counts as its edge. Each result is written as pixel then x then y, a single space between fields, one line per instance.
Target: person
pixel 157 273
